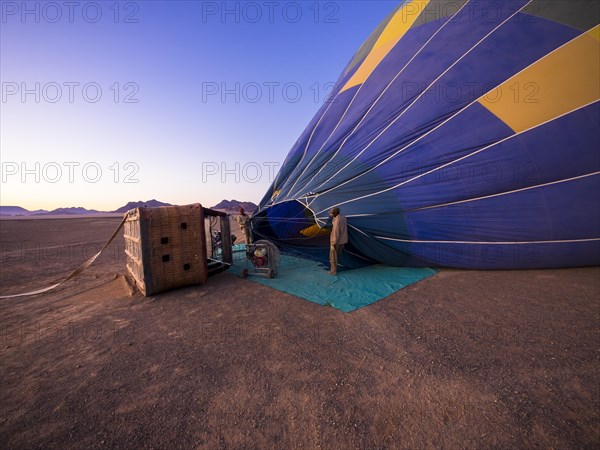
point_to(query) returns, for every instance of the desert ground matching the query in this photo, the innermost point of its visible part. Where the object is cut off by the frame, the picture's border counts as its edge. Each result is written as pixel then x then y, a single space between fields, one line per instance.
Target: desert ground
pixel 464 359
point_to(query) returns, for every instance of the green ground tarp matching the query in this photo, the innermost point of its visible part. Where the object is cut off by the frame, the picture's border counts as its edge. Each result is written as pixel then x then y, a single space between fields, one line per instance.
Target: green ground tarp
pixel 348 291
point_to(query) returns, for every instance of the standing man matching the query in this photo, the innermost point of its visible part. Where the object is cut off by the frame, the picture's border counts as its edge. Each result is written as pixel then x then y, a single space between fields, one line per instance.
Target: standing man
pixel 339 237
pixel 244 220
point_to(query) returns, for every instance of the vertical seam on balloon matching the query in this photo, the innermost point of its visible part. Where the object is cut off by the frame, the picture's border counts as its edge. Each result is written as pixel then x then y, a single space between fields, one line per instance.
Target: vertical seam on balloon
pixel 409 106
pixel 290 193
pixel 360 231
pixel 558 241
pixel 464 157
pixel 484 148
pixel 452 117
pixel 372 105
pixel 310 139
pixel 322 146
pixel 499 194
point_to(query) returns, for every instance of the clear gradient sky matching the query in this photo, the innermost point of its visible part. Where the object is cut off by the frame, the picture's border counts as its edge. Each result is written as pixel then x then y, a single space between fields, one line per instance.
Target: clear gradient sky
pixel 89 87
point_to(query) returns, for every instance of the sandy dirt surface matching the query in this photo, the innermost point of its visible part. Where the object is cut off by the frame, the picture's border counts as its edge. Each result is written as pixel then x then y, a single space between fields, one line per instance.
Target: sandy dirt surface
pixel 464 359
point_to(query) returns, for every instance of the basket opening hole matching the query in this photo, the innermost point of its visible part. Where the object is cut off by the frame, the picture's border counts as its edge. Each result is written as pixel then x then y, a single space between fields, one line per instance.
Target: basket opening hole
pixel 184 225
pixel 164 240
pixel 187 266
pixel 166 258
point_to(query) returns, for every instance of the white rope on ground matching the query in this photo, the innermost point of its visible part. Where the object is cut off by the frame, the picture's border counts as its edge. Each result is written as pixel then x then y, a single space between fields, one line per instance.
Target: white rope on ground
pixel 76 272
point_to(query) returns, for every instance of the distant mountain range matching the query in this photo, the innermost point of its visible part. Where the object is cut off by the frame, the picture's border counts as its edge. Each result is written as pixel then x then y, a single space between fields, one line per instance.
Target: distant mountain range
pixel 149 204
pixel 14 211
pixel 235 205
pixel 19 211
pixel 225 205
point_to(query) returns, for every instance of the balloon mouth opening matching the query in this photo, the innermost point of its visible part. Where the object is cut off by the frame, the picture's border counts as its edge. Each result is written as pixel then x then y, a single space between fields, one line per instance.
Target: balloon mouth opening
pixel 290 223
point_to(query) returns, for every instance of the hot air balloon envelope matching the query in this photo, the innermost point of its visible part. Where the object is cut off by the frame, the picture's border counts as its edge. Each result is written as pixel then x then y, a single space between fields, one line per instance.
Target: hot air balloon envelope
pixel 462 134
